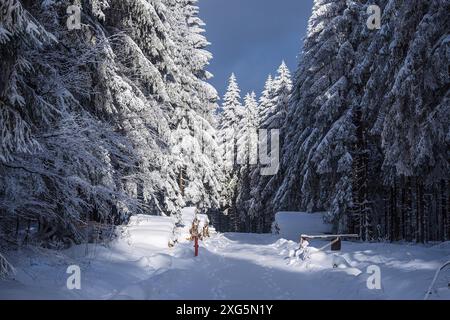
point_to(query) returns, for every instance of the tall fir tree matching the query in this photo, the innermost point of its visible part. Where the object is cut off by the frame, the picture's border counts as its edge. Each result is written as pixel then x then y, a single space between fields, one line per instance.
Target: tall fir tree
pixel 359 144
pixel 273 107
pixel 247 159
pixel 89 117
pixel 232 112
pixel 316 167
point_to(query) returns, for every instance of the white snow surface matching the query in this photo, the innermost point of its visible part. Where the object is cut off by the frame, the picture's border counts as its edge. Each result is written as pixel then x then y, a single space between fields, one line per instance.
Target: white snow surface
pixel 204 221
pixel 187 218
pixel 294 224
pixel 150 231
pixel 188 215
pixel 138 265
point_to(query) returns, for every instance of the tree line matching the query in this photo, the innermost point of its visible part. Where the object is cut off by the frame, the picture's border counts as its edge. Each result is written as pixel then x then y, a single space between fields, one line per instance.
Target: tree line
pixel 117 118
pixel 366 135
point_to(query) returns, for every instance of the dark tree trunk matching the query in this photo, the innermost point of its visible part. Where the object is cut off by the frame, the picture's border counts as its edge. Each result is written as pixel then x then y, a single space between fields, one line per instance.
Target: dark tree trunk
pixel 386 215
pixel 444 207
pixel 394 227
pixel 403 208
pixel 447 216
pixel 419 210
pixel 409 228
pixel 27 235
pixel 361 210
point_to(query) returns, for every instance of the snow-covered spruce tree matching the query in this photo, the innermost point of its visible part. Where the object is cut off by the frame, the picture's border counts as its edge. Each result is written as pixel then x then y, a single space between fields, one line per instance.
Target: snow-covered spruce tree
pixel 406 99
pixel 418 147
pixel 232 112
pixel 171 61
pixel 246 144
pixel 273 106
pixel 316 164
pixel 230 116
pixel 69 177
pixel 368 123
pixel 247 158
pixel 266 100
pixel 277 94
pixel 256 202
pixel 18 30
pixel 176 51
pixel 196 160
pixel 138 76
pixel 99 103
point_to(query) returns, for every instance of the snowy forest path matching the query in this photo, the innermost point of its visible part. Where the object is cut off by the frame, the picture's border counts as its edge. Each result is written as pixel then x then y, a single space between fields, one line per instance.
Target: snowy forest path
pixel 231 266
pixel 252 266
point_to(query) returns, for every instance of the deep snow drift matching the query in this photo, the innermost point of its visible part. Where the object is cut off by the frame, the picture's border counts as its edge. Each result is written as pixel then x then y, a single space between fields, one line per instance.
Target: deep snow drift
pixel 231 266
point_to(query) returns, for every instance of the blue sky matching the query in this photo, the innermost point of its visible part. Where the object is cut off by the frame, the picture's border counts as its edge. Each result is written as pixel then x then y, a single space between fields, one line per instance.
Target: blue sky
pixel 252 37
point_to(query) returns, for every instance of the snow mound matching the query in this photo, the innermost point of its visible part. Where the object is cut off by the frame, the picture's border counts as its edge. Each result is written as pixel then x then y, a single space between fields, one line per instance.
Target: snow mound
pixel 204 221
pixel 443 246
pixel 156 262
pixel 187 218
pixel 285 246
pixel 150 231
pixel 313 258
pixel 290 225
pixel 188 215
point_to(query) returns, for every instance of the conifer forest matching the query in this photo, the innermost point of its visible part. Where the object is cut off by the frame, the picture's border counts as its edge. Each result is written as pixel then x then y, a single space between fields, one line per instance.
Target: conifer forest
pixel 114 138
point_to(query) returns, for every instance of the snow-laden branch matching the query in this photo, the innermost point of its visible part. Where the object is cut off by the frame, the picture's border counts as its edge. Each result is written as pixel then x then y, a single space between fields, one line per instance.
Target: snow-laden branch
pixel 6 268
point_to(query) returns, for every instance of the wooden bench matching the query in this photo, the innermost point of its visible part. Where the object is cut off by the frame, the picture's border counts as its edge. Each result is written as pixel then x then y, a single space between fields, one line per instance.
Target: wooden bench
pixel 335 243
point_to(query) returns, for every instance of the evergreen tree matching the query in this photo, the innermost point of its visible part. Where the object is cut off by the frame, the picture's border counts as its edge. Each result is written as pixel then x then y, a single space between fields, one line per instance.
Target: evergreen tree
pixel 366 137
pixel 316 167
pixel 278 91
pixel 247 157
pixel 266 101
pixel 198 166
pixel 247 136
pixel 89 118
pixel 273 106
pixel 231 115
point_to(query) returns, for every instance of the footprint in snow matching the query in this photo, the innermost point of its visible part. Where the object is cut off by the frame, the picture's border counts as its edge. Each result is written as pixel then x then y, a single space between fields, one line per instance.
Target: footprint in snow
pixel 133 292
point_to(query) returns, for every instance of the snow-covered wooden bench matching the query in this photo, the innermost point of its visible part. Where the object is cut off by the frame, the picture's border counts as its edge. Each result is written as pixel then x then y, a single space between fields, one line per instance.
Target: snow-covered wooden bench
pixel 335 243
pixel 310 226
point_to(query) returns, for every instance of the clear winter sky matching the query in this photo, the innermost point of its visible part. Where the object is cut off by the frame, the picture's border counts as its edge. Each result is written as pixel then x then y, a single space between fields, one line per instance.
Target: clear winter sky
pixel 252 37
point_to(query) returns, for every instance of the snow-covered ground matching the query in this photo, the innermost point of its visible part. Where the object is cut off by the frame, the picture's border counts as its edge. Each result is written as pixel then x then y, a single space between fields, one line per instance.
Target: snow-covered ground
pixel 230 266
